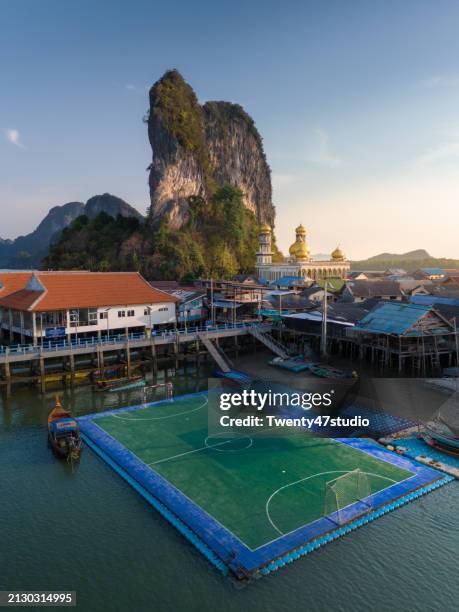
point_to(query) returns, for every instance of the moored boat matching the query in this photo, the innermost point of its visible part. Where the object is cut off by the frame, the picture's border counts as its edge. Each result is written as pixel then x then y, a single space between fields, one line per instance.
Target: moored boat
pixel 64 433
pixel 325 371
pixel 112 384
pixel 64 377
pixel 292 364
pixel 443 430
pixel 134 384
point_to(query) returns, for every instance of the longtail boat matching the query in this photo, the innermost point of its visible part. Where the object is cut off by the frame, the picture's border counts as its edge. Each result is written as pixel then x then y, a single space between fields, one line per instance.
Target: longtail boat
pixel 113 383
pixel 134 384
pixel 64 433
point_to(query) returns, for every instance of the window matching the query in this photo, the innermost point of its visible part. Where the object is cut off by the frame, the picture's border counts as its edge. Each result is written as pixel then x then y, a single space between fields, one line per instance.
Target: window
pixel 164 309
pixel 130 313
pixel 92 316
pixel 103 315
pixel 146 311
pixel 121 313
pixel 74 318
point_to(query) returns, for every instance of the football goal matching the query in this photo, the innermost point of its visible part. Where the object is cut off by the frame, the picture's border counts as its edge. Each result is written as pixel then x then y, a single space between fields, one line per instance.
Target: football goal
pixel 343 491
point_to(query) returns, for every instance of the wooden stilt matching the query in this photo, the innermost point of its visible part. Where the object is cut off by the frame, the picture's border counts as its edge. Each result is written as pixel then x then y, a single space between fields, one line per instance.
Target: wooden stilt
pixel 42 375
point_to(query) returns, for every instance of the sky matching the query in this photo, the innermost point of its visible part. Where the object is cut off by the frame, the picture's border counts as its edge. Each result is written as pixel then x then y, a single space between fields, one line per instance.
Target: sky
pixel 357 104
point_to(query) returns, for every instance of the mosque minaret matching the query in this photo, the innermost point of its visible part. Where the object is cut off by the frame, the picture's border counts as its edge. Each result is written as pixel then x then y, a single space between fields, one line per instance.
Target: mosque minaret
pixel 299 262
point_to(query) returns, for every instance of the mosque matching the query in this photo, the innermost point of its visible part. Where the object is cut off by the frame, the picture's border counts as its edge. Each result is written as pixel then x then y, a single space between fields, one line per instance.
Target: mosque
pixel 299 262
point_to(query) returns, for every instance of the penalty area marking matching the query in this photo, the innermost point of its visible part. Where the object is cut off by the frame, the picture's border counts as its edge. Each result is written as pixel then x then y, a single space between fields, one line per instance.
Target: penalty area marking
pixel 159 418
pixel 291 484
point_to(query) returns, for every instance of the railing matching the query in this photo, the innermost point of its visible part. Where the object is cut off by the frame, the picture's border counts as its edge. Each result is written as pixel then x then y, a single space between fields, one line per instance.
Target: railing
pixel 270 342
pixel 57 345
pixel 216 353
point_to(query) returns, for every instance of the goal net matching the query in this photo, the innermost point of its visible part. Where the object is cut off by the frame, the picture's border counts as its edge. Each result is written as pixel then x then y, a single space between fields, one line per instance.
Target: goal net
pixel 343 491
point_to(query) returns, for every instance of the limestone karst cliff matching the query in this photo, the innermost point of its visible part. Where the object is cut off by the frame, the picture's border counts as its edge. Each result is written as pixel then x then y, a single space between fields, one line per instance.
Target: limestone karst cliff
pixel 199 148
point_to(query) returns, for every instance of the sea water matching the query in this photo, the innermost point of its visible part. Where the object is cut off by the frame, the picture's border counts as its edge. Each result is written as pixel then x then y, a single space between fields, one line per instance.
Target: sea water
pixel 89 532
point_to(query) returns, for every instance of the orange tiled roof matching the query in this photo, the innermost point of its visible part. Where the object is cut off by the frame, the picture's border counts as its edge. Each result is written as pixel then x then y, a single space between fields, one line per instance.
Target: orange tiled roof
pixel 10 282
pixel 21 300
pixel 64 290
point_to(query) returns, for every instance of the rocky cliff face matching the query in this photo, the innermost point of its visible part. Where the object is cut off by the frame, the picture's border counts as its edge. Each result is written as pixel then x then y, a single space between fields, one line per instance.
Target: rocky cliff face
pixel 197 148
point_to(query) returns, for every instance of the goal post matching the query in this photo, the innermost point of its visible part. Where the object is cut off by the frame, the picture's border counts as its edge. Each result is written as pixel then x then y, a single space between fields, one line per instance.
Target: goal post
pixel 343 491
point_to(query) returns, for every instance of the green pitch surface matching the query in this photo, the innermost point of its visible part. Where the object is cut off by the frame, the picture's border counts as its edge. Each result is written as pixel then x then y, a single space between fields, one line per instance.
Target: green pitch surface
pixel 259 488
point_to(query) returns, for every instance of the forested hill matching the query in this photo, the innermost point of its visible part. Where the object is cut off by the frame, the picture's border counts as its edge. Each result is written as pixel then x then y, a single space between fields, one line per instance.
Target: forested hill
pixel 411 261
pixel 220 239
pixel 28 251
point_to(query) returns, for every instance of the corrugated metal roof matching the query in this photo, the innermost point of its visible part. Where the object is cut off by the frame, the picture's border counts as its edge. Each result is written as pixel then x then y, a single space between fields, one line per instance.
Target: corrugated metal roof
pixel 374 288
pixel 433 271
pixel 288 280
pixel 429 300
pixel 226 304
pixel 393 318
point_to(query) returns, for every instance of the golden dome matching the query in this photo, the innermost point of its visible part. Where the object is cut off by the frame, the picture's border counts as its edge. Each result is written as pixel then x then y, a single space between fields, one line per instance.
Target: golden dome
pixel 338 254
pixel 299 249
pixel 265 228
pixel 302 251
pixel 292 249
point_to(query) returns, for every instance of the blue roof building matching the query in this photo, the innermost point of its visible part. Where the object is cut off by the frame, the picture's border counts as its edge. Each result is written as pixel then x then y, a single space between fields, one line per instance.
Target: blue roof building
pixel 430 273
pixel 289 281
pixel 405 335
pixel 401 319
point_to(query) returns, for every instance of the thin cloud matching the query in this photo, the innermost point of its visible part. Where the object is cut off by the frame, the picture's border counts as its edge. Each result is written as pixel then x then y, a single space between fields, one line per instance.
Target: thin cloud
pixel 14 137
pixel 438 154
pixel 320 152
pixel 440 80
pixel 130 87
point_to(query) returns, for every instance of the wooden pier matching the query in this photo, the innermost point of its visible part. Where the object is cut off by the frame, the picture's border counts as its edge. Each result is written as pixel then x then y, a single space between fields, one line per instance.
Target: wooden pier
pixel 71 358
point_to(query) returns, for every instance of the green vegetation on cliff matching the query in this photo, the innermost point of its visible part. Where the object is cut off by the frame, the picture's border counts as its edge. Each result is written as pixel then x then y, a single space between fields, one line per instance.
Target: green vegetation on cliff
pixel 100 244
pixel 176 104
pixel 220 239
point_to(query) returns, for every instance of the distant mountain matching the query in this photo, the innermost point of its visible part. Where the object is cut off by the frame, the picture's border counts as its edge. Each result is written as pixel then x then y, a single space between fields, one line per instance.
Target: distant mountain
pixel 410 256
pixel 411 261
pixel 110 204
pixel 27 251
pixel 321 257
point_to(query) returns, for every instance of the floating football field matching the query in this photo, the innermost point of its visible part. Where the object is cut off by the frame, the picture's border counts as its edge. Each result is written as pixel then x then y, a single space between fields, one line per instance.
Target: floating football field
pixel 251 503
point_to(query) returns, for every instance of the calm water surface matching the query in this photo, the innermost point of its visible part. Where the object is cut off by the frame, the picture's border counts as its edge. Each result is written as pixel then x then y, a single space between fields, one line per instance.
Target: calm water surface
pixel 89 531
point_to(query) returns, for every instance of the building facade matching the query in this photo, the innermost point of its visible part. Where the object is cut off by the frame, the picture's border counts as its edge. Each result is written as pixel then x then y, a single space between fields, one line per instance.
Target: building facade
pixel 53 305
pixel 299 262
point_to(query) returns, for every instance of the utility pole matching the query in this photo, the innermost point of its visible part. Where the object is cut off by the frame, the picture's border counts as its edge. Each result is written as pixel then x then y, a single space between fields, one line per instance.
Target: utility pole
pixel 212 307
pixel 457 350
pixel 323 340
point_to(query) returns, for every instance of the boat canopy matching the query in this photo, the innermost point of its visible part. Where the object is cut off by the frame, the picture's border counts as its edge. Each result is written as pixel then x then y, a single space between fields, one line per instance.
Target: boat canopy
pixel 449 415
pixel 64 425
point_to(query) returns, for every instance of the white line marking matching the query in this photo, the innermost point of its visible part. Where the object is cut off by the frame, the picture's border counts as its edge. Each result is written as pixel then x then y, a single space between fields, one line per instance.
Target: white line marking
pixel 231 450
pixel 196 450
pixel 156 418
pixel 313 476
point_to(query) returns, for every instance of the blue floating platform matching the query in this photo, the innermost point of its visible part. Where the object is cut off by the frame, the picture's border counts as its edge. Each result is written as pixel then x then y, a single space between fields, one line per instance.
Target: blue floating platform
pixel 228 552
